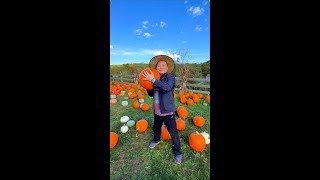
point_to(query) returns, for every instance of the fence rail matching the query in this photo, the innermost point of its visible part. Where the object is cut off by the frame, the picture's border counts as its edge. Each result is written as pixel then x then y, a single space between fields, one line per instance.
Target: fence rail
pixel 197 82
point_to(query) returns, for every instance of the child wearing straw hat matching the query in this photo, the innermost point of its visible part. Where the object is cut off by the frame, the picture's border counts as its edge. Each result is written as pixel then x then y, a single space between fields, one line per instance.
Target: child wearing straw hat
pixel 164 106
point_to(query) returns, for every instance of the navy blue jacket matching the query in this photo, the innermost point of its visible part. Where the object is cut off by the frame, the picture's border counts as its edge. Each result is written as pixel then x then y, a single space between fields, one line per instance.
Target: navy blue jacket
pixel 166 89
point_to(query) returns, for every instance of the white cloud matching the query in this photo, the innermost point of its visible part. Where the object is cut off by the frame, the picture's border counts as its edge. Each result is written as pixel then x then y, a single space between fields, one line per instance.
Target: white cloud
pixel 185 2
pixel 162 24
pixel 111 47
pixel 138 31
pixel 144 24
pixel 196 11
pixel 198 28
pixel 183 42
pixel 147 35
pixel 205 2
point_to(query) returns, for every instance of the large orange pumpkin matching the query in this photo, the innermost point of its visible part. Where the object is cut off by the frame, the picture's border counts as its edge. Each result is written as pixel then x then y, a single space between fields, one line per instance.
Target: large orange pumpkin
pixel 165 135
pixel 181 125
pixel 113 139
pixel 142 125
pixel 145 107
pixel 198 121
pixel 197 141
pixel 136 104
pixel 145 83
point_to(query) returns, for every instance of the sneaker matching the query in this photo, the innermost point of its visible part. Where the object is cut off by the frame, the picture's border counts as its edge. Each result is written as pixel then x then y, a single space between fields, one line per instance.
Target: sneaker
pixel 153 144
pixel 178 159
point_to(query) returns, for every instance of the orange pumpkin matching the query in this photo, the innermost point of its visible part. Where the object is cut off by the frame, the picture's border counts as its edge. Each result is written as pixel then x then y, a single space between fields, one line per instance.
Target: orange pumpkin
pixel 197 141
pixel 181 125
pixel 142 125
pixel 113 139
pixel 207 98
pixel 113 101
pixel 200 95
pixel 181 93
pixel 174 95
pixel 145 107
pixel 183 100
pixel 190 102
pixel 145 83
pixel 179 108
pixel 136 104
pixel 191 94
pixel 187 95
pixel 195 98
pixel 198 121
pixel 183 113
pixel 165 135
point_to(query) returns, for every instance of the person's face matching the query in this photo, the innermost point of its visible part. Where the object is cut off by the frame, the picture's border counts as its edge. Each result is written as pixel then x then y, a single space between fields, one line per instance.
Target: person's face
pixel 162 67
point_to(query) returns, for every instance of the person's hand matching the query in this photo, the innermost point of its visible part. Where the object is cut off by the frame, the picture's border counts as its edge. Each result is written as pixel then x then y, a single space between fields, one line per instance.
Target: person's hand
pixel 147 75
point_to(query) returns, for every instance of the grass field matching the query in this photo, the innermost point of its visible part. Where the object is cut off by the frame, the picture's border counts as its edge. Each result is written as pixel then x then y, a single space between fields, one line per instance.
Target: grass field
pixel 131 158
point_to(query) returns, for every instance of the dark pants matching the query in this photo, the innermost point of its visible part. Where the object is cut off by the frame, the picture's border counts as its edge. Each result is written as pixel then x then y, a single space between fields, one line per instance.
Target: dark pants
pixel 170 122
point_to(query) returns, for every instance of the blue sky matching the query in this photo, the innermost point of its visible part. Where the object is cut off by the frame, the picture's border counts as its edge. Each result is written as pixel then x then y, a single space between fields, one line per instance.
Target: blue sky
pixel 141 29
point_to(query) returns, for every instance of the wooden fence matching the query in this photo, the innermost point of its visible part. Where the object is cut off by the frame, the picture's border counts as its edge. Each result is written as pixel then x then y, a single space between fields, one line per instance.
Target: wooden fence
pixel 192 83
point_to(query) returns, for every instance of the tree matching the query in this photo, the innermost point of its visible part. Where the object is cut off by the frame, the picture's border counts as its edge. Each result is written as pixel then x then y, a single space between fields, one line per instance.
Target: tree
pixel 181 60
pixel 205 68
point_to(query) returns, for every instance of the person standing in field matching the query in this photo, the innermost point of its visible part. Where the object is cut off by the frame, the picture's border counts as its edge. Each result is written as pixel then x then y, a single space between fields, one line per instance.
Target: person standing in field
pixel 163 104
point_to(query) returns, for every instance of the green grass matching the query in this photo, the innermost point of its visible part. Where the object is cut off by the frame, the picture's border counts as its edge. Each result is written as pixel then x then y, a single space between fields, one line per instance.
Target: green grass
pixel 131 158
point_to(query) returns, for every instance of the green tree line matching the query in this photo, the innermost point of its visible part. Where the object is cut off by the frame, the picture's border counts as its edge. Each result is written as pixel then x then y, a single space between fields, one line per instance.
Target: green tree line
pixel 195 70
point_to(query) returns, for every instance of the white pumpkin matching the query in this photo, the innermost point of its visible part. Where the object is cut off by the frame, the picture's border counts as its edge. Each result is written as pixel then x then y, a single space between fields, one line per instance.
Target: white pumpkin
pixel 206 137
pixel 124 129
pixel 129 93
pixel 124 103
pixel 141 101
pixel 124 119
pixel 112 96
pixel 205 104
pixel 126 97
pixel 122 92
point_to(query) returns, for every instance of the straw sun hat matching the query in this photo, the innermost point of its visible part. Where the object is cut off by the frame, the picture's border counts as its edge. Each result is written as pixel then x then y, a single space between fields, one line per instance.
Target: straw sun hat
pixel 153 62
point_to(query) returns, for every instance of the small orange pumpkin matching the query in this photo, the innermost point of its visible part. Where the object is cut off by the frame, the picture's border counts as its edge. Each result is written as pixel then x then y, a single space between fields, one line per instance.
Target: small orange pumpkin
pixel 113 101
pixel 145 107
pixel 198 121
pixel 207 98
pixel 181 125
pixel 183 113
pixel 197 141
pixel 113 139
pixel 183 100
pixel 136 104
pixel 165 135
pixel 142 125
pixel 195 98
pixel 190 102
pixel 179 108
